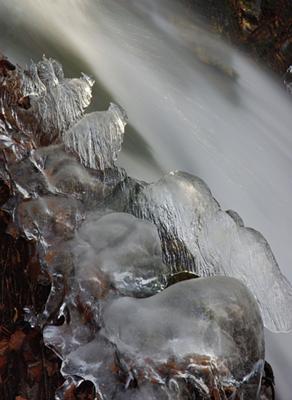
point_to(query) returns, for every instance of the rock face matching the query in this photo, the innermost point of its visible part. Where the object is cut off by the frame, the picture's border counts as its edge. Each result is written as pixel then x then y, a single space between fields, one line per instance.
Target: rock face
pixel 261 27
pixel 90 256
pixel 288 79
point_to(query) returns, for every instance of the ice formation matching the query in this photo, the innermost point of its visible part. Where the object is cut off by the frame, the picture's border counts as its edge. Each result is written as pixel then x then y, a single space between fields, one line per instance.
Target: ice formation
pixel 198 235
pixel 125 249
pixel 113 246
pixel 211 317
pixel 44 104
pixel 101 137
pixel 192 332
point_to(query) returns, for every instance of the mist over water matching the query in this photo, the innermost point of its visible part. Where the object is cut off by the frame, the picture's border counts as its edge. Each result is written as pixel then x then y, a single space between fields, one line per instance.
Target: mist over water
pixel 195 104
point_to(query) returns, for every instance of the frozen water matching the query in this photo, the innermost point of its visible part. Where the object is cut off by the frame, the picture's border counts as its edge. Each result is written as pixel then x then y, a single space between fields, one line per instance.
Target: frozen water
pixel 124 249
pixel 176 341
pixel 65 175
pixel 113 254
pixel 49 108
pixel 245 254
pixel 97 137
pixel 45 104
pixel 167 344
pixel 176 205
pixel 216 317
pixel 197 235
pixel 95 361
pixel 49 218
pixel 61 104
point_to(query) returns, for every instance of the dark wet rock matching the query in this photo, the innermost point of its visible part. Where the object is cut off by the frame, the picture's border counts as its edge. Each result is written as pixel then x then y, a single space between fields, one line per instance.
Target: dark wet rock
pixel 288 79
pixel 261 27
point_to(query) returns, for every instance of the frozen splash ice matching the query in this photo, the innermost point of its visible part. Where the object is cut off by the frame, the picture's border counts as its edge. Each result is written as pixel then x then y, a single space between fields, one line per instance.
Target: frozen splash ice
pixel 97 137
pixel 197 235
pixel 41 102
pixel 175 204
pixel 110 315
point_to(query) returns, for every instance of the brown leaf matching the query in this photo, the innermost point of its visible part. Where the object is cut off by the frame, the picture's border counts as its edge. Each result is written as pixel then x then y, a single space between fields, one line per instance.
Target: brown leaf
pixel 35 372
pixel 3 346
pixel 69 394
pixel 16 340
pixel 3 362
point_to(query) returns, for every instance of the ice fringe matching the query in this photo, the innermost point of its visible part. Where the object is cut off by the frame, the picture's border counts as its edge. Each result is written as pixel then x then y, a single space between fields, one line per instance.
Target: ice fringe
pixel 197 235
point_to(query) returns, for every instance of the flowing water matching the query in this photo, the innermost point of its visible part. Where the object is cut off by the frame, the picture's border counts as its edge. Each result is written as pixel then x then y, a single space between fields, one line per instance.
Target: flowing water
pixel 194 104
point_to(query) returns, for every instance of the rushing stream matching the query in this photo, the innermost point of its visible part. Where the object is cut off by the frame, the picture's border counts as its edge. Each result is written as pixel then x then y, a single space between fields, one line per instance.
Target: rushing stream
pixel 194 104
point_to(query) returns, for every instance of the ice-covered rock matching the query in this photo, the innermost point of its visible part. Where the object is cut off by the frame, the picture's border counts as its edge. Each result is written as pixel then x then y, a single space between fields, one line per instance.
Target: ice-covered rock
pixel 52 170
pixel 49 219
pixel 67 176
pixel 123 250
pixel 39 101
pixel 195 335
pixel 113 254
pixel 217 317
pixel 116 314
pixel 50 109
pixel 57 103
pixel 196 234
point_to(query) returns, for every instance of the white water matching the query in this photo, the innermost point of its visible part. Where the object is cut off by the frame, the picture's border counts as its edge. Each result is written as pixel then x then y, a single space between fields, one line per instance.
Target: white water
pixel 235 133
